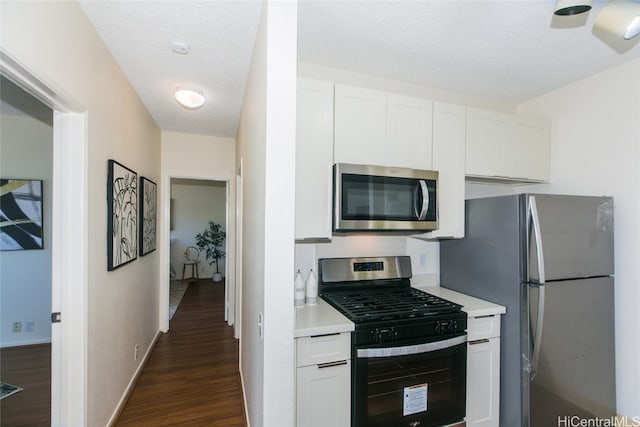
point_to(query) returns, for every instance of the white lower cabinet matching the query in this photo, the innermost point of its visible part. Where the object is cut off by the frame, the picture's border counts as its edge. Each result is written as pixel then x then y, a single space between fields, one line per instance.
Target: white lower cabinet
pixel 483 371
pixel 323 381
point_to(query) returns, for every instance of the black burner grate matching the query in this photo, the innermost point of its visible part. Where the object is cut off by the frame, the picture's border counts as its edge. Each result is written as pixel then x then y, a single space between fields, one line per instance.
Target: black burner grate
pixel 366 305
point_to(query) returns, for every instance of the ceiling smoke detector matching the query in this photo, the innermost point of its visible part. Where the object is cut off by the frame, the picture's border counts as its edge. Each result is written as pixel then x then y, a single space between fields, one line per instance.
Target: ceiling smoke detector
pixel 189 98
pixel 180 48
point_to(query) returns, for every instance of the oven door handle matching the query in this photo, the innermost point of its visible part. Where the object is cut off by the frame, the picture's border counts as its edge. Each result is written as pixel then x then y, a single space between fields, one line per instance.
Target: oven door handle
pixel 410 349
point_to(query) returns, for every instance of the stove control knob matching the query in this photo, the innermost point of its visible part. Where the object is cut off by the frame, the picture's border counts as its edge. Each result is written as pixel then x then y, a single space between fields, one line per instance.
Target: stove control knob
pixel 444 326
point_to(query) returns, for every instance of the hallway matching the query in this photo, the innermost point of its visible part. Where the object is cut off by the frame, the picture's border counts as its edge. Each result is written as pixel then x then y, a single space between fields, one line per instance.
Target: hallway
pixel 191 377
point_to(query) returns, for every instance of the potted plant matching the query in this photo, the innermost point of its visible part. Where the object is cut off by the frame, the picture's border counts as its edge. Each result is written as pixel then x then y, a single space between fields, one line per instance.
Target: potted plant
pixel 211 240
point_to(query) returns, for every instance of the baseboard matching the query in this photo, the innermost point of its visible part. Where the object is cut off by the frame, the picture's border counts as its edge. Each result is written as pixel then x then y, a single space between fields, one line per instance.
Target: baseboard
pixel 127 393
pixel 244 395
pixel 26 343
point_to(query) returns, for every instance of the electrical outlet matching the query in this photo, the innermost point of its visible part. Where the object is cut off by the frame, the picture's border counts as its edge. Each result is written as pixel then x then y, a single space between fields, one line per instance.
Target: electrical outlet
pixel 423 260
pixel 29 326
pixel 136 351
pixel 16 327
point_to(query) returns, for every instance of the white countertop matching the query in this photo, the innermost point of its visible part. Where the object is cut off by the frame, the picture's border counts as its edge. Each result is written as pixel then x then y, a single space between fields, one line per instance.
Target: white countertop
pixel 320 319
pixel 323 319
pixel 474 307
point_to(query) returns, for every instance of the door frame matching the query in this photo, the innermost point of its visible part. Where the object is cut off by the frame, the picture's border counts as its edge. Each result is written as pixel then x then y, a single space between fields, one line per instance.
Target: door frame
pixel 69 246
pixel 230 311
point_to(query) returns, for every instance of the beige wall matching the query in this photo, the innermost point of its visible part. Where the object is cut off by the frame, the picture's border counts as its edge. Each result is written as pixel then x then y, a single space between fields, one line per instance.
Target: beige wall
pixel 199 157
pixel 56 42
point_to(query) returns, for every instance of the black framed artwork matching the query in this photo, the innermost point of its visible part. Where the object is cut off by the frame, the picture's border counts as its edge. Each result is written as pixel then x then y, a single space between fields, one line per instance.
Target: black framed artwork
pixel 148 212
pixel 122 215
pixel 20 214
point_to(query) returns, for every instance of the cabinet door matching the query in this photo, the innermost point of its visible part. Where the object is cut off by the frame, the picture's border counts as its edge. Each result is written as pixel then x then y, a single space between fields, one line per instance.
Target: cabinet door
pixel 449 124
pixel 314 158
pixel 483 383
pixel 486 137
pixel 409 138
pixel 527 149
pixel 324 395
pixel 360 126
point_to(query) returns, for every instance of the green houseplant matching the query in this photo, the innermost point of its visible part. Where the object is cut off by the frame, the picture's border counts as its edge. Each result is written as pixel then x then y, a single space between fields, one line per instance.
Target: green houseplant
pixel 211 240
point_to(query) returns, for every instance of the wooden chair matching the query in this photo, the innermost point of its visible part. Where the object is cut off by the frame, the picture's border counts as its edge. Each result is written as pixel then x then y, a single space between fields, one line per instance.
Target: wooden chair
pixel 191 259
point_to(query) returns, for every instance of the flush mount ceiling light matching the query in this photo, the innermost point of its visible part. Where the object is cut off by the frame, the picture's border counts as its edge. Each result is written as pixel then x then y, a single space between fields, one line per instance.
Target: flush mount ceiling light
pixel 189 97
pixel 619 19
pixel 572 7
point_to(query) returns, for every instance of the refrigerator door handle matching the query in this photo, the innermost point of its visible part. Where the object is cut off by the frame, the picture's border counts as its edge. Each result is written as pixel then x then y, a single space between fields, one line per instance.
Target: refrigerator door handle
pixel 535 225
pixel 535 228
pixel 538 336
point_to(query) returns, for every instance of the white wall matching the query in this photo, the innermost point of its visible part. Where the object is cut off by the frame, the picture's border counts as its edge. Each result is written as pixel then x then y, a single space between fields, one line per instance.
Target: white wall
pixel 26 151
pixel 266 145
pixel 56 42
pixel 194 204
pixel 595 150
pixel 425 255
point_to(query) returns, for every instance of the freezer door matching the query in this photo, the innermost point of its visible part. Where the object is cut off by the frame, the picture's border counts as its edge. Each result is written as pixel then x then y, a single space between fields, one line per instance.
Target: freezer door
pixel 574 374
pixel 576 236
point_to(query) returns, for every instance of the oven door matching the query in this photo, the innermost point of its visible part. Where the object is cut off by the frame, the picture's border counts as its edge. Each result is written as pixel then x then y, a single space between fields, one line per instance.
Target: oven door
pixel 418 384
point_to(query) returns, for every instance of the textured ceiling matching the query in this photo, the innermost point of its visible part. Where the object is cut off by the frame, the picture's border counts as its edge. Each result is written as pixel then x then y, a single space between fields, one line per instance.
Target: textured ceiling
pixel 221 35
pixel 505 50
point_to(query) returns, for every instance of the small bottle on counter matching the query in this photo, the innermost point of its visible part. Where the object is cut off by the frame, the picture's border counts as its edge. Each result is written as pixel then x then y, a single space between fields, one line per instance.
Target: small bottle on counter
pixel 312 288
pixel 299 294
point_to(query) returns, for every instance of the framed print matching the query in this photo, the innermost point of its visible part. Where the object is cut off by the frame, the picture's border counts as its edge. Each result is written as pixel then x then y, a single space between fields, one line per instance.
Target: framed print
pixel 20 214
pixel 148 210
pixel 122 215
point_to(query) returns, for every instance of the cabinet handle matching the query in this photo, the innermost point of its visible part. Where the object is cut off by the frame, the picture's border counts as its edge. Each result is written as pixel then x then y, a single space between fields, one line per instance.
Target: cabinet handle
pixel 484 341
pixel 332 364
pixel 484 317
pixel 324 335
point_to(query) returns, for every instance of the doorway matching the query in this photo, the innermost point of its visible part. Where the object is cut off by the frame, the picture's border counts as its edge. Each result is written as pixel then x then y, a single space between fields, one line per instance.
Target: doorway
pixel 195 204
pixel 69 274
pixel 26 165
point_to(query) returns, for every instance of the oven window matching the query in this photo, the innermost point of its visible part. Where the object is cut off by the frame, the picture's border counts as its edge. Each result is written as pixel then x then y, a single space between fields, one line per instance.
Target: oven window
pixel 428 388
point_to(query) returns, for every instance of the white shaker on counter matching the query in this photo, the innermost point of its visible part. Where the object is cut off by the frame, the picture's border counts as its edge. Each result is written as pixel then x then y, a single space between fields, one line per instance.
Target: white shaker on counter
pixel 299 294
pixel 312 288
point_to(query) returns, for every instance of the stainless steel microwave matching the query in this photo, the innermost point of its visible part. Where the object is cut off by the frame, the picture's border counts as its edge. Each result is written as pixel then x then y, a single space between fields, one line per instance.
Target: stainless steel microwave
pixel 378 198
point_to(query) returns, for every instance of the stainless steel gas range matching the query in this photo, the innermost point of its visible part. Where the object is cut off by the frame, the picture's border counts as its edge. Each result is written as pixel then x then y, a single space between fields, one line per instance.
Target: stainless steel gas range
pixel 409 348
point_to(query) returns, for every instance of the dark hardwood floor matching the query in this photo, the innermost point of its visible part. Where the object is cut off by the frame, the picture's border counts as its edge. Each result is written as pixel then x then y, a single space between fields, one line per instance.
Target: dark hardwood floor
pixel 28 367
pixel 191 377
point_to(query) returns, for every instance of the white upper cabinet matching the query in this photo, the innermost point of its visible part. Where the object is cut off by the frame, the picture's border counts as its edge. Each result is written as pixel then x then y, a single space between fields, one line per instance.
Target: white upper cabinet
pixel 506 147
pixel 449 124
pixel 314 159
pixel 528 149
pixel 379 128
pixel 360 126
pixel 409 136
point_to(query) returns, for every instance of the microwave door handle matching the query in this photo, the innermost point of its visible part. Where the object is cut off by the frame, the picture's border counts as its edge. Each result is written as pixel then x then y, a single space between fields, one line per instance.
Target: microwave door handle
pixel 425 200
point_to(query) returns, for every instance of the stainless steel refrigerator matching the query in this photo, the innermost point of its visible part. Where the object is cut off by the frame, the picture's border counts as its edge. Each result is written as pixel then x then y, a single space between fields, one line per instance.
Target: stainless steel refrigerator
pixel 549 259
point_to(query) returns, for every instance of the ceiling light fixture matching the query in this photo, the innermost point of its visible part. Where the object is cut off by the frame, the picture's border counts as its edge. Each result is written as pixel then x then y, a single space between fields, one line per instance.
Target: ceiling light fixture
pixel 572 7
pixel 189 98
pixel 619 19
